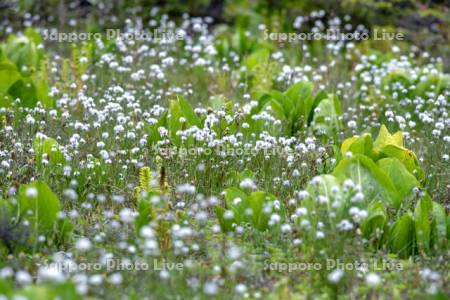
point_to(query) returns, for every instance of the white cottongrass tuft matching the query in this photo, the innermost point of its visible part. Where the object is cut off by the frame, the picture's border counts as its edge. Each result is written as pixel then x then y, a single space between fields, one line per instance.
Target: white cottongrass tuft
pixel 247 183
pixel 335 276
pixel 373 279
pixel 83 244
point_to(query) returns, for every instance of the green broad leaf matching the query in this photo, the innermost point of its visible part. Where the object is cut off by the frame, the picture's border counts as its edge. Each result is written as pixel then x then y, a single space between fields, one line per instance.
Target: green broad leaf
pixel 277 109
pixel 33 35
pixel 236 177
pixel 39 205
pixel 282 100
pixel 277 95
pixel 312 105
pixel 392 145
pixel 236 200
pixel 326 184
pixel 42 91
pixel 376 219
pixel 8 76
pixel 300 95
pixel 439 225
pixel 326 116
pixel 233 193
pixel 152 129
pixel 189 113
pixel 300 90
pixel 256 203
pixel 294 105
pixel 246 173
pixel 50 147
pixel 263 98
pixel 402 236
pixel 345 146
pixel 226 224
pixel 173 121
pixel 22 71
pixel 146 210
pixel 422 220
pixel 25 90
pixel 330 187
pixel 358 144
pixel 406 157
pixel 376 185
pixel 23 52
pixel 222 47
pixel 402 179
pixel 145 214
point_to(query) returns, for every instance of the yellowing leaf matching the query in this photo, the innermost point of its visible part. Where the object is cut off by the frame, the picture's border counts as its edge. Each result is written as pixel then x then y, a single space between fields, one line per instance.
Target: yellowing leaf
pixel 345 147
pixel 386 138
pixel 392 145
pixel 40 206
pixel 358 144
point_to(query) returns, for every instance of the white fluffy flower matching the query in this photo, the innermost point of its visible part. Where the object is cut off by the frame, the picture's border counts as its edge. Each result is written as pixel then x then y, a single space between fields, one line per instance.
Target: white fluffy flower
pixel 23 277
pixel 31 192
pixel 373 279
pixel 50 273
pixel 247 183
pixel 335 276
pixel 83 244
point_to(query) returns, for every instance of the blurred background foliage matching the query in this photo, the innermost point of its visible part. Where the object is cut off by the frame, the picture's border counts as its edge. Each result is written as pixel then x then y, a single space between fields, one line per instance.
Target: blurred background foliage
pixel 425 23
